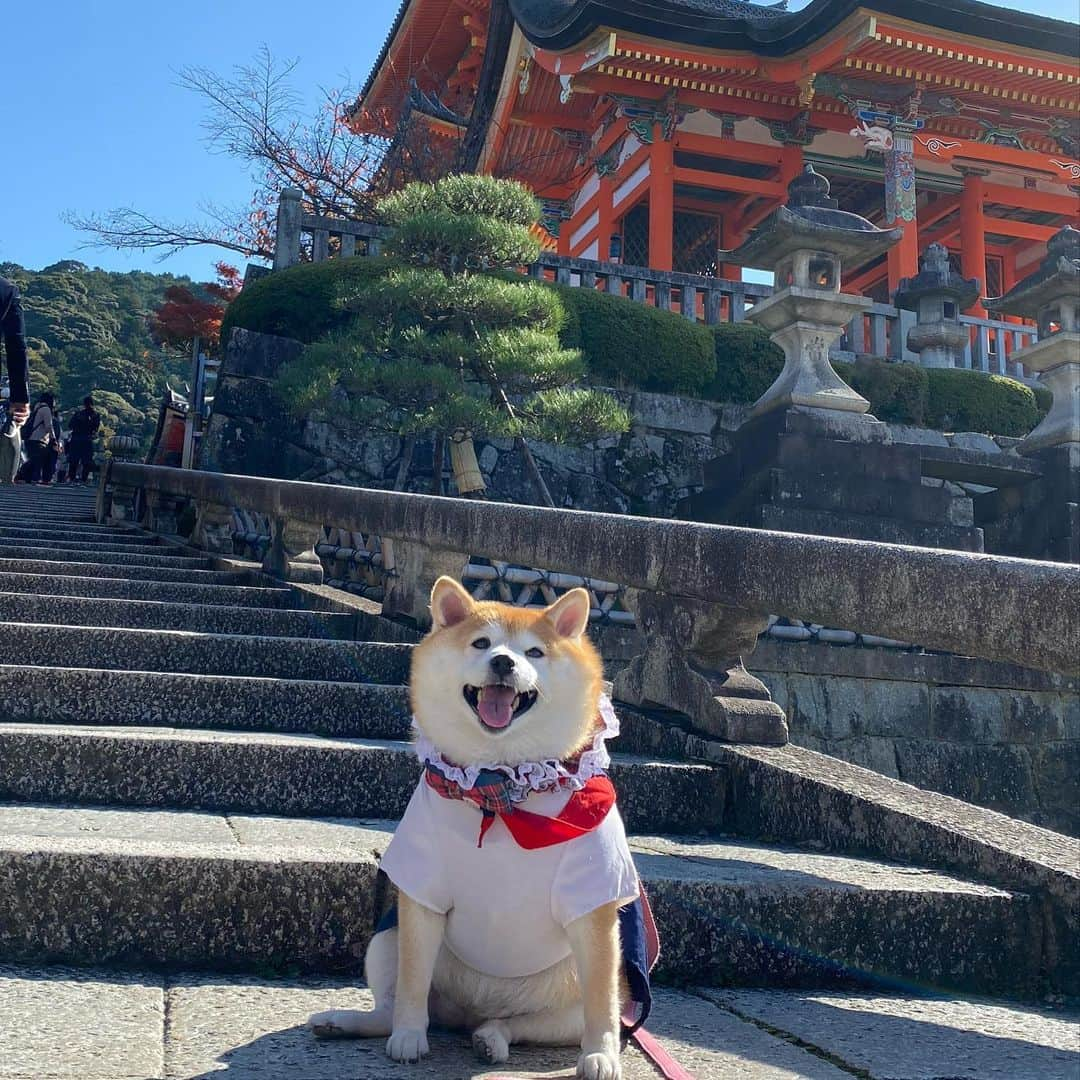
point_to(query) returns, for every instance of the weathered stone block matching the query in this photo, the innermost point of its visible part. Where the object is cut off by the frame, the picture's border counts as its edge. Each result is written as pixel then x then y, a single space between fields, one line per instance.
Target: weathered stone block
pixel 942 767
pixel 671 413
pixel 250 354
pixel 873 752
pixel 1029 718
pixel 966 714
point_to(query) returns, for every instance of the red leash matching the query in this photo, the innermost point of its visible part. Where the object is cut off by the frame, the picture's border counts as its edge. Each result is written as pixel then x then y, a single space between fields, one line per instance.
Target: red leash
pixel 651 1048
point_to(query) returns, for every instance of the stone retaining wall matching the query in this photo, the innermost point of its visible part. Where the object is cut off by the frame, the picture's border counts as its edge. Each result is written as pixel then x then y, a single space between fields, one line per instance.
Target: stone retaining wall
pixel 647 471
pixel 1002 737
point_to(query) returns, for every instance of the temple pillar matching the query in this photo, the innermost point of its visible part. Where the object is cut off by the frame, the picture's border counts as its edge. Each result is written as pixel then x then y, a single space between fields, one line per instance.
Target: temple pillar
pixel 900 205
pixel 605 210
pixel 661 204
pixel 973 233
pixel 730 238
pixel 791 161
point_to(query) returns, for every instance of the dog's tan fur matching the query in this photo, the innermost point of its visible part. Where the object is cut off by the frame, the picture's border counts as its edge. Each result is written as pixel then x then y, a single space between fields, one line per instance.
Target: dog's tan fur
pixel 413 976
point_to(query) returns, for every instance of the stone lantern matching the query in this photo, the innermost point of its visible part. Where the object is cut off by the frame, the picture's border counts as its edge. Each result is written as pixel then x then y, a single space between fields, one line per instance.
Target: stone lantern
pixel 937 295
pixel 805 243
pixel 1051 296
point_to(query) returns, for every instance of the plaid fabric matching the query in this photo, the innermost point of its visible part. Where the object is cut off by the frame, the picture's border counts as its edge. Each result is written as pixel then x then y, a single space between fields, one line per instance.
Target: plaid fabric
pixel 498 796
pixel 492 791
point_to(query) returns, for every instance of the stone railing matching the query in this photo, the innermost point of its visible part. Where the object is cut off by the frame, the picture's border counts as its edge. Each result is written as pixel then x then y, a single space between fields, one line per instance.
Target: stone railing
pixel 711 300
pixel 356 563
pixel 701 594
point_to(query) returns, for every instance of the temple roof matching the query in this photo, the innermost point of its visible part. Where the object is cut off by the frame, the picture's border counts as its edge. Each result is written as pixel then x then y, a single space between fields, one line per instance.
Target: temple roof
pixel 739 25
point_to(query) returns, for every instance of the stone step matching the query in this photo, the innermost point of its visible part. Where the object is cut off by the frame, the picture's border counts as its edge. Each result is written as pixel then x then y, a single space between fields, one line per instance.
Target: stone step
pixel 56 567
pixel 157 615
pixel 74 534
pixel 299 775
pixel 243 891
pixel 67 695
pixel 136 544
pixel 48 517
pixel 184 1025
pixel 136 589
pixel 111 558
pixel 13 532
pixel 122 649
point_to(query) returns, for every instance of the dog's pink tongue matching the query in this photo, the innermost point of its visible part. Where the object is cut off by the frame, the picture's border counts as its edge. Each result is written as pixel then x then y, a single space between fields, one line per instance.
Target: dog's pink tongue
pixel 496 705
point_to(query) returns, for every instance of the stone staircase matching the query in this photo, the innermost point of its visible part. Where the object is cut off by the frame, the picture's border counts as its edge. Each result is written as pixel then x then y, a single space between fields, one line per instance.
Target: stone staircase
pixel 199 768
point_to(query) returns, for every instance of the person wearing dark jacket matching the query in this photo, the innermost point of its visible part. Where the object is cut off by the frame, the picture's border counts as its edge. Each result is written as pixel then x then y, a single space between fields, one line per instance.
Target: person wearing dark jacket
pixel 80 451
pixel 40 434
pixel 13 332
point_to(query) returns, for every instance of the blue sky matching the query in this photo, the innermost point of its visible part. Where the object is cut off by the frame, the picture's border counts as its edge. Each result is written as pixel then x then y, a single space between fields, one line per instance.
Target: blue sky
pixel 94 117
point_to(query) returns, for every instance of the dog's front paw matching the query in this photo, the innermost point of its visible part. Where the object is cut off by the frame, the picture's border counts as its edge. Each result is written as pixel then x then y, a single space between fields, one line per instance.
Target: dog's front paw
pixel 408 1045
pixel 599 1065
pixel 491 1044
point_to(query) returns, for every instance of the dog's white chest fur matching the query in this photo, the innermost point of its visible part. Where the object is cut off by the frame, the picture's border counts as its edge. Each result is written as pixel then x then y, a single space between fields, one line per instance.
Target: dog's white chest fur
pixel 506 907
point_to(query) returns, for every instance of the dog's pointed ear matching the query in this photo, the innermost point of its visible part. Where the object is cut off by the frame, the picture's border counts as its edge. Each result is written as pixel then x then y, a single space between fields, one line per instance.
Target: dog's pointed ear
pixel 570 613
pixel 450 603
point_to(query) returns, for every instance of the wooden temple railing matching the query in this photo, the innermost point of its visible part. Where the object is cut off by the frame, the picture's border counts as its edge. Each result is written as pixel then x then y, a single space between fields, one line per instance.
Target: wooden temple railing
pixel 880 332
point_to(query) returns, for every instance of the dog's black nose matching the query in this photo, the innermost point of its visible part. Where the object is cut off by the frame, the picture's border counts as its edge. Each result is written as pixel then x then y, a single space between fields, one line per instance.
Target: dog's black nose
pixel 502 664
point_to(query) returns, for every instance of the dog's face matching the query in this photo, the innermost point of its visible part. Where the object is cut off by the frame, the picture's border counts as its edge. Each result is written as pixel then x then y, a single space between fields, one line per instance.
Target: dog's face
pixel 494 683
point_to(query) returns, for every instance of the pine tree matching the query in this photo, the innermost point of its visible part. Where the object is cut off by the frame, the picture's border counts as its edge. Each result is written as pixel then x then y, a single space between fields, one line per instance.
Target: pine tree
pixel 445 347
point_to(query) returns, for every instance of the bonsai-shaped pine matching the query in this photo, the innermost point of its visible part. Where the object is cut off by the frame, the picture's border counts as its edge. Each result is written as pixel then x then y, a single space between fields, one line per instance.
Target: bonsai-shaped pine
pixel 442 346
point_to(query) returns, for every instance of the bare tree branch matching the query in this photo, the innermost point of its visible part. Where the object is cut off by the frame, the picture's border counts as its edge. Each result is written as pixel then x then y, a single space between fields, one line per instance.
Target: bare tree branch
pixel 255 116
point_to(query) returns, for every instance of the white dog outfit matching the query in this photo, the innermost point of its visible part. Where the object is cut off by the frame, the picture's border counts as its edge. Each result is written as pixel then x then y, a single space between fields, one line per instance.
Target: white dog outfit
pixel 536 870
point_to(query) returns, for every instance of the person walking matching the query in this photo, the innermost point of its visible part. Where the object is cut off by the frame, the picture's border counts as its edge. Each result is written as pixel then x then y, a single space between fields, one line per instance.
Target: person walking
pixel 13 333
pixel 84 428
pixel 40 435
pixel 52 450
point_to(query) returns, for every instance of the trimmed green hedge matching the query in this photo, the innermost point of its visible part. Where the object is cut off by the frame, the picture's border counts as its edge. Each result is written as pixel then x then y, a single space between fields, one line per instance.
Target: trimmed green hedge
pixel 629 344
pixel 945 399
pixel 624 343
pixel 301 302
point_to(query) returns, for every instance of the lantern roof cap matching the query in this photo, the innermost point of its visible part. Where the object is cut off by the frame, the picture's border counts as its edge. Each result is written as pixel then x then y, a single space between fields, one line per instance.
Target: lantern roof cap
pixel 810 219
pixel 937 278
pixel 1057 276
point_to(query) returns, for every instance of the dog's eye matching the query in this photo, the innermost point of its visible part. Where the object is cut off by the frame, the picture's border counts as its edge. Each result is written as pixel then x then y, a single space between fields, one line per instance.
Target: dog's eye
pixel 481 643
pixel 534 653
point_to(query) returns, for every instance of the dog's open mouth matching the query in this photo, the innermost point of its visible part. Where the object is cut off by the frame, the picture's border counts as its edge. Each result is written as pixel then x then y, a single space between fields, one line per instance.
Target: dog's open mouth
pixel 497 705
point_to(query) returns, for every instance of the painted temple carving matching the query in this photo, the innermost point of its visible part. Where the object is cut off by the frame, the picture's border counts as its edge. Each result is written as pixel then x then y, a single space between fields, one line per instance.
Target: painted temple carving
pixel 664 133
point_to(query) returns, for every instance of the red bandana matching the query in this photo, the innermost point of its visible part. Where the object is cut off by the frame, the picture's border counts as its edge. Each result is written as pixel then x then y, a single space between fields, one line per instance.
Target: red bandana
pixel 586 809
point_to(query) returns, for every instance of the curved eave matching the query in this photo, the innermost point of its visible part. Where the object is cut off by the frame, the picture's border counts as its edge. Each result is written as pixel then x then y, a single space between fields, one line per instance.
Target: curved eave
pixel 564 24
pixel 383 53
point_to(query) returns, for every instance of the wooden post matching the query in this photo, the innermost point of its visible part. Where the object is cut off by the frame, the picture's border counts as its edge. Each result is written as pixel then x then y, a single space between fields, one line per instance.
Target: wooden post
pixel 973 233
pixel 661 204
pixel 606 218
pixel 900 205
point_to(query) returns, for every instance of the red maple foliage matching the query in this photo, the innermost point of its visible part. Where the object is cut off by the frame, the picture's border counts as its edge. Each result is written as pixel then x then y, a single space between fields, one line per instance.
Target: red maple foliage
pixel 184 316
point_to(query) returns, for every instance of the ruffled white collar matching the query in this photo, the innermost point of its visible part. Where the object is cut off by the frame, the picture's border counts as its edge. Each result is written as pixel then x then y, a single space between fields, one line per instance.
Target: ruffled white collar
pixel 530 776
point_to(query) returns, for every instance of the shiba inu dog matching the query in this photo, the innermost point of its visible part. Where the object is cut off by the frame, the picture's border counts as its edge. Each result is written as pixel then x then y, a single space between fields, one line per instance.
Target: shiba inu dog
pixel 513 871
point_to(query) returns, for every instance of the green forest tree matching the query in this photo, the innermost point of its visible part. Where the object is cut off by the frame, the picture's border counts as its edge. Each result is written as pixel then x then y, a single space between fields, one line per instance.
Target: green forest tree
pixel 89 332
pixel 444 347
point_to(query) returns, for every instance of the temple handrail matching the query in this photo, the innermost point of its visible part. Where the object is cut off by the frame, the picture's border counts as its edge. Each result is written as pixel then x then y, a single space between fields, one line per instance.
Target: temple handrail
pixel 722 299
pixel 988 606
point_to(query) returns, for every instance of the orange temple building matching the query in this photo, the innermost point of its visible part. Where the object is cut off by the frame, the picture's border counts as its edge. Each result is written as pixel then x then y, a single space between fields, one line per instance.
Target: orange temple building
pixel 658 133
